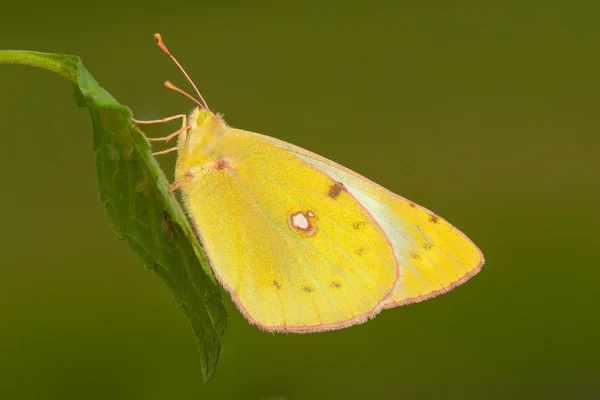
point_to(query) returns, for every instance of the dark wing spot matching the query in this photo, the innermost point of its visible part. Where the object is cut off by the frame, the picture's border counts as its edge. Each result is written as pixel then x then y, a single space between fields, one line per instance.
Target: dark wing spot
pixel 276 285
pixel 335 285
pixel 335 190
pixel 307 289
pixel 433 219
pixel 428 246
pixel 358 225
pixel 413 205
pixel 360 251
pixel 416 256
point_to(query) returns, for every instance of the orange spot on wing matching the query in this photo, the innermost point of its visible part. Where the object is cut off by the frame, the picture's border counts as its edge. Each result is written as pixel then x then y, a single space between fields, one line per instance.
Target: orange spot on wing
pixel 222 163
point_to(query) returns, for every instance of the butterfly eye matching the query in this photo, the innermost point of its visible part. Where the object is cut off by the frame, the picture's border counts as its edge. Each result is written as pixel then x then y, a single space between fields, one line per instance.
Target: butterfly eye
pixel 204 117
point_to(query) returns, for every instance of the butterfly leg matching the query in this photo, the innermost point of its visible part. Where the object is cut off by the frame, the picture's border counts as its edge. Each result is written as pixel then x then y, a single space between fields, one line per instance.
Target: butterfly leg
pixel 177 185
pixel 171 136
pixel 157 153
pixel 160 121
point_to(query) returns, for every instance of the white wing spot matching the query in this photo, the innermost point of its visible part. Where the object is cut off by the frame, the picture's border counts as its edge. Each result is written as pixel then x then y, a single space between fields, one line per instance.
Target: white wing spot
pixel 300 221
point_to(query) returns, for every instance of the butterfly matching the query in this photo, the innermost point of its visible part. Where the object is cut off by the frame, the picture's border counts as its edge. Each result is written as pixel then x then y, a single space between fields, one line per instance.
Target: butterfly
pixel 301 243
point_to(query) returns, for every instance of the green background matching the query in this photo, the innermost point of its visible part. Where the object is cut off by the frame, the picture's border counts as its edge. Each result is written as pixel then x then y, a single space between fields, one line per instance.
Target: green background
pixel 486 114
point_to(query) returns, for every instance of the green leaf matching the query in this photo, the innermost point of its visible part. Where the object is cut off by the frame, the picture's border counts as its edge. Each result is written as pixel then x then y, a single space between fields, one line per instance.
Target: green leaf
pixel 135 193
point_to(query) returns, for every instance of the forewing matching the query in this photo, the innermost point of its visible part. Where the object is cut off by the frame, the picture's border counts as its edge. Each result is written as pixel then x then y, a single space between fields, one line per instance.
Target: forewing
pixel 434 255
pixel 293 257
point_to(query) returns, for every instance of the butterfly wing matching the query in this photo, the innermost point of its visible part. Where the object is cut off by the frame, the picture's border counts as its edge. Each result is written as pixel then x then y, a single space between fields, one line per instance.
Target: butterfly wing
pixel 293 258
pixel 434 255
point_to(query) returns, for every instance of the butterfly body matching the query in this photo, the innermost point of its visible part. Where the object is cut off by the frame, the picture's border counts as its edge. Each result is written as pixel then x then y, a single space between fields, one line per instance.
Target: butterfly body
pixel 302 243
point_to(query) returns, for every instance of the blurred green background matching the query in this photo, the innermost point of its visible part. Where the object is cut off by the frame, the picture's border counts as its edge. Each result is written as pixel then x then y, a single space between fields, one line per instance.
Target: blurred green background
pixel 486 114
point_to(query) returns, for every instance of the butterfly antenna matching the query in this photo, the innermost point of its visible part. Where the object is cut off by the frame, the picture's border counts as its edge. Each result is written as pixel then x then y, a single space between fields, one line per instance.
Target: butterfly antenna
pixel 169 85
pixel 164 48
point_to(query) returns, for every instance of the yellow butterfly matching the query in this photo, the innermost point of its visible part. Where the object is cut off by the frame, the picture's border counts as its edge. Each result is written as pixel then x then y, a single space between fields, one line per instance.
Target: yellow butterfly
pixel 301 243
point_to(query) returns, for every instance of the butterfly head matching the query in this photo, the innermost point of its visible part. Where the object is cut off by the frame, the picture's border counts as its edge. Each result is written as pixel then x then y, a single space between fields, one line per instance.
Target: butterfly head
pixel 201 116
pixel 203 119
pixel 204 125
